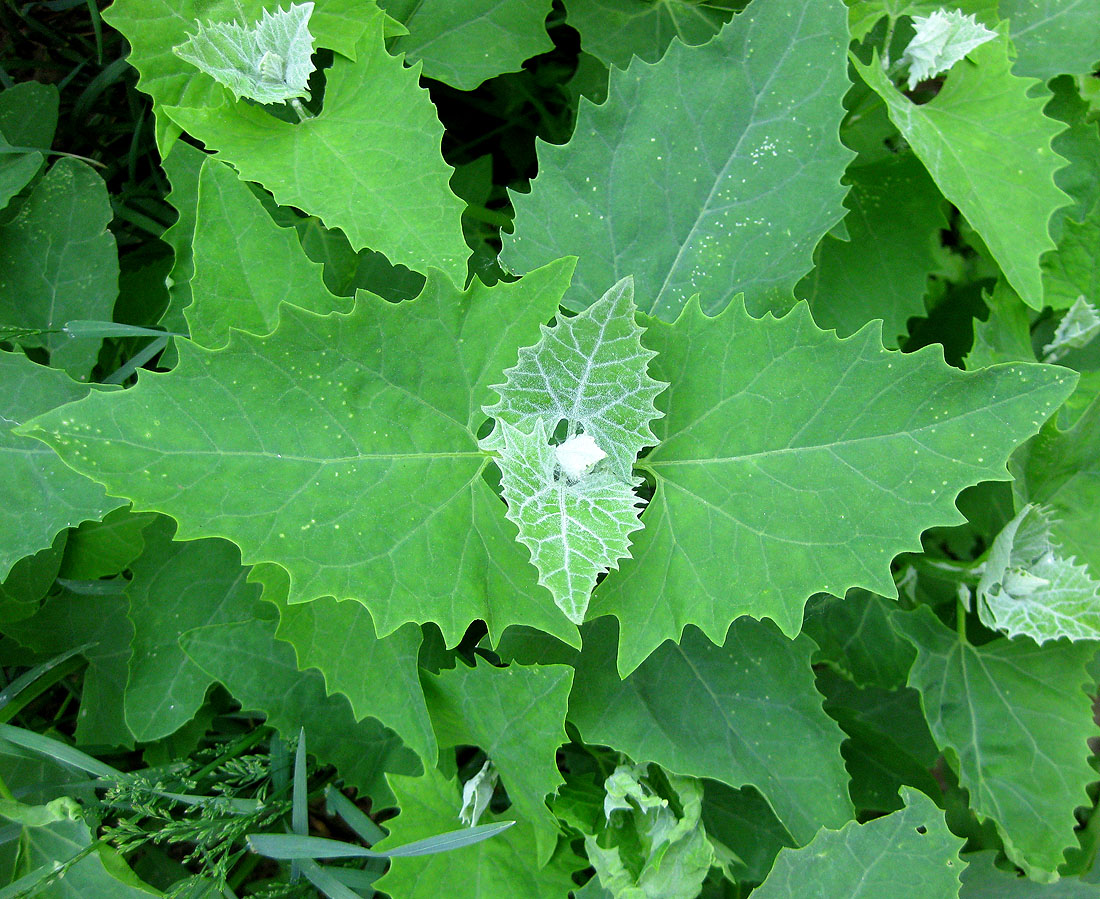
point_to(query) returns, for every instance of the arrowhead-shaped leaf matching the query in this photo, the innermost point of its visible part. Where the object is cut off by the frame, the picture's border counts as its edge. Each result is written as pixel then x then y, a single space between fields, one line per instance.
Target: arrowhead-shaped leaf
pixel 736 164
pixel 331 448
pixel 809 461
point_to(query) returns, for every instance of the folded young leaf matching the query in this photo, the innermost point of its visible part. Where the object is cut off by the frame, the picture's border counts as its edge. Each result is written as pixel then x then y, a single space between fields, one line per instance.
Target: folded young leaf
pixel 940 41
pixel 809 461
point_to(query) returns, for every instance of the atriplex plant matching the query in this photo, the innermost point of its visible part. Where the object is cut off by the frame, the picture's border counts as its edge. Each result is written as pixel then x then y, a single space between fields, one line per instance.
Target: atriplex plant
pixel 715 520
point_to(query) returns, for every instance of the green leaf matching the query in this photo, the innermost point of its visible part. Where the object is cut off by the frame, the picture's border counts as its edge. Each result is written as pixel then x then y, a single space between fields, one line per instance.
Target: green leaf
pixel 292 846
pixel 940 41
pixel 69 619
pixel 908 855
pixel 517 716
pixel 726 712
pixel 737 166
pixel 73 275
pixel 104 548
pixel 183 166
pixel 1080 144
pixel 29 579
pixel 744 822
pixel 1053 37
pixel 176 587
pixel 1061 469
pixel 1029 588
pixel 1017 720
pixel 369 163
pixel 28 118
pixel 268 62
pixel 39 496
pixel 982 879
pixel 1072 272
pixel 811 461
pixel 154 27
pixel 986 143
pixel 615 30
pixel 246 265
pixel 1006 335
pixel 895 213
pixel 368 458
pixel 463 44
pixel 854 637
pixel 490 869
pixel 379 677
pixel 863 15
pixel 260 673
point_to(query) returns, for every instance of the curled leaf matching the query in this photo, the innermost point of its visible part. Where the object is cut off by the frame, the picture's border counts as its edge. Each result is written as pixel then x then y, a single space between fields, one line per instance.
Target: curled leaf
pixel 942 39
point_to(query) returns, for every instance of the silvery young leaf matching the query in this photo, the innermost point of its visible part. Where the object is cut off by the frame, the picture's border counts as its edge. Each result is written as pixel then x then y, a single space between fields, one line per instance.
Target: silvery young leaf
pixel 1017 720
pixel 1078 328
pixel 517 716
pixel 39 495
pixel 863 15
pixel 268 61
pixel 940 41
pixel 259 672
pixel 615 30
pixel 342 447
pixel 246 265
pixel 575 528
pixel 369 163
pixel 492 869
pixel 1061 470
pixel 379 677
pixel 177 586
pixel 1007 196
pixel 1053 37
pixel 588 370
pixel 736 162
pixel 908 855
pixel 154 27
pixel 726 712
pixel 463 44
pixel 72 275
pixel 1028 587
pixel 791 463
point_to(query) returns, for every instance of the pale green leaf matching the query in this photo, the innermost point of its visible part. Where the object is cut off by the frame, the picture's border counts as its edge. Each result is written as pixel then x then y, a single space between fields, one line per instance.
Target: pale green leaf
pixel 39 495
pixel 940 41
pixel 245 265
pixel 576 528
pixel 1029 588
pixel 1077 328
pixel 71 274
pixel 379 677
pixel 736 164
pixel 1016 720
pixel 368 459
pixel 907 855
pixel 863 15
pixel 517 716
pixel 268 61
pixel 810 461
pixel 463 44
pixel 727 712
pixel 1053 37
pixel 177 586
pixel 986 143
pixel 368 164
pixel 491 869
pixel 895 213
pixel 982 879
pixel 477 792
pixel 260 673
pixel 616 30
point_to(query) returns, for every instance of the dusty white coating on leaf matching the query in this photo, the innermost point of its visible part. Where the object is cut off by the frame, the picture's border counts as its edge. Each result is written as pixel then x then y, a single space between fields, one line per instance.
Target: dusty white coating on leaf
pixel 578 454
pixel 941 40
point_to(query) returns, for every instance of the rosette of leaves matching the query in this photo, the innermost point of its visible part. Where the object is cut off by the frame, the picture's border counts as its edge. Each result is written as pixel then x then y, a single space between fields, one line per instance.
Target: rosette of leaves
pixel 585 382
pixel 1028 588
pixel 268 62
pixel 653 845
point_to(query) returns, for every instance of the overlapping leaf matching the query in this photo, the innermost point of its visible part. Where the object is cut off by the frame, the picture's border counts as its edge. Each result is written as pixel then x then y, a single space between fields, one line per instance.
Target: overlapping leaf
pixel 332 449
pixel 736 164
pixel 792 463
pixel 986 143
pixel 369 163
pixel 1053 37
pixel 1017 720
pixel 28 119
pixel 727 712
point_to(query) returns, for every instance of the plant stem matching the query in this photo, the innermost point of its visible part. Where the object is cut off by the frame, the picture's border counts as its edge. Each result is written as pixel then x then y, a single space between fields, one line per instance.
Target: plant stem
pixel 960 621
pixel 963 572
pixel 892 22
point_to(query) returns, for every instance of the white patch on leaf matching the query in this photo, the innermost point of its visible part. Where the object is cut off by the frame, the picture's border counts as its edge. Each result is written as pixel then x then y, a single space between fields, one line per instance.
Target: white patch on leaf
pixel 268 62
pixel 578 454
pixel 942 39
pixel 1078 328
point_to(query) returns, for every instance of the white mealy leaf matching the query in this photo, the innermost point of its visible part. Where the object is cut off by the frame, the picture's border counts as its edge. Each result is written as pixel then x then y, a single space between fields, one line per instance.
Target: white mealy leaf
pixel 942 39
pixel 477 792
pixel 589 371
pixel 575 528
pixel 268 62
pixel 1028 588
pixel 1078 328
